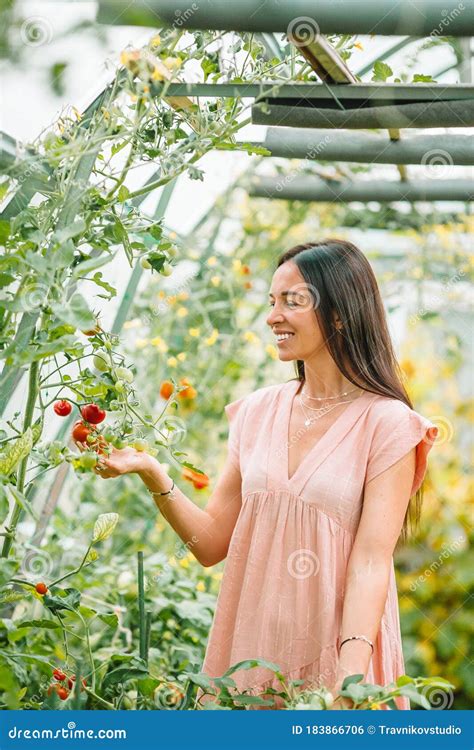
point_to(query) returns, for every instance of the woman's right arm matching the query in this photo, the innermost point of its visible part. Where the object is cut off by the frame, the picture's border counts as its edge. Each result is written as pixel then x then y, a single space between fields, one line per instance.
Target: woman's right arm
pixel 206 532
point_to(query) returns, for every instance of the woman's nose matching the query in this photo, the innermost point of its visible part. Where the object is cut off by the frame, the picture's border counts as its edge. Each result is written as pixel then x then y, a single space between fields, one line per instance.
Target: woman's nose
pixel 273 317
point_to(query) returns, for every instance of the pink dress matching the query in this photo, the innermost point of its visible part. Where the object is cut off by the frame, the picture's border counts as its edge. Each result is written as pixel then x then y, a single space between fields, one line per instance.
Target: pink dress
pixel 282 591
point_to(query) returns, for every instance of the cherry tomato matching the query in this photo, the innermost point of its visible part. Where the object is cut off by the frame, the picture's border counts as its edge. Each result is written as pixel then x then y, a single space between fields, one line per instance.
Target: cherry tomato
pixel 123 373
pixel 167 269
pixel 140 444
pixel 62 693
pixel 88 460
pixel 72 679
pixel 92 331
pixel 62 408
pixel 80 431
pixel 59 675
pixel 101 362
pixel 41 588
pixel 166 389
pixel 93 414
pixel 145 263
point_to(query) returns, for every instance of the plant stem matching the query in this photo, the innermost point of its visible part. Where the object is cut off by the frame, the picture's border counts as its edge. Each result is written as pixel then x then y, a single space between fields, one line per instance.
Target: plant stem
pixel 73 572
pixel 30 407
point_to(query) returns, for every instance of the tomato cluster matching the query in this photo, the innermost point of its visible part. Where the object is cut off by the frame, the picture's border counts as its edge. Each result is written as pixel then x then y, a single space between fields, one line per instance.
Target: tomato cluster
pixel 199 481
pixel 63 691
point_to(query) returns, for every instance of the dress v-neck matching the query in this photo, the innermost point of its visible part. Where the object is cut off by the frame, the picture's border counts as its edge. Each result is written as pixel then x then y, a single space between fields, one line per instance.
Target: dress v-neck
pixel 325 444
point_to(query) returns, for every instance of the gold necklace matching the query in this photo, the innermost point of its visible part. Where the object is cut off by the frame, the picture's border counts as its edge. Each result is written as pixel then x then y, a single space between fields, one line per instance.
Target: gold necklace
pixel 327 398
pixel 324 410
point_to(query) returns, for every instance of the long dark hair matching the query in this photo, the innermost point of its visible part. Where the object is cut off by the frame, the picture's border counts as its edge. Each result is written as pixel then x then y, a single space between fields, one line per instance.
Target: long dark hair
pixel 363 351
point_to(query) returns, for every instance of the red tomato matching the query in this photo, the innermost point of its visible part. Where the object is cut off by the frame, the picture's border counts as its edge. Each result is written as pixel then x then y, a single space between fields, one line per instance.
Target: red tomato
pixel 62 693
pixel 72 679
pixel 41 588
pixel 93 413
pixel 62 408
pixel 59 675
pixel 80 431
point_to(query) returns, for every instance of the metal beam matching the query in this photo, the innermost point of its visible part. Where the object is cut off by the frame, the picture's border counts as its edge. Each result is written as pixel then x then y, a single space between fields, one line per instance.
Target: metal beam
pixel 348 94
pixel 299 188
pixel 438 114
pixel 420 18
pixel 324 145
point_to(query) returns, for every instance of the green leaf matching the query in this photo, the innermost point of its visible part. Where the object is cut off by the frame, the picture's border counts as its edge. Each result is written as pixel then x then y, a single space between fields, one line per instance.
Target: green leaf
pixel 97 279
pixel 67 599
pixel 91 264
pixel 110 619
pixel 250 663
pixel 104 526
pixel 64 254
pixel 381 71
pixel 420 78
pixel 22 501
pixel 73 230
pixel 7 570
pixel 45 624
pixel 248 700
pixel 122 234
pixel 123 193
pixel 135 668
pixel 350 679
pixel 16 451
pixel 4 231
pixel 76 313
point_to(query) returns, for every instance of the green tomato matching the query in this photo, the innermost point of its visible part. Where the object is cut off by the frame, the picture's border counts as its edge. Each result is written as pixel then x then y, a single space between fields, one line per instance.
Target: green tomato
pixel 167 269
pixel 124 374
pixel 119 386
pixel 108 345
pixel 172 251
pixel 88 460
pixel 109 436
pixel 101 362
pixel 145 263
pixel 119 443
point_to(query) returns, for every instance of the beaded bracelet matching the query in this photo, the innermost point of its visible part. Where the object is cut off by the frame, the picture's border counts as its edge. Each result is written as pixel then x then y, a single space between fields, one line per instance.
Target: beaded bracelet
pixel 359 638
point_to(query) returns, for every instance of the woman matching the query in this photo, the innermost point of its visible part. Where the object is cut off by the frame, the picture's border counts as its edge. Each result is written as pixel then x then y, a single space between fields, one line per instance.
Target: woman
pixel 315 491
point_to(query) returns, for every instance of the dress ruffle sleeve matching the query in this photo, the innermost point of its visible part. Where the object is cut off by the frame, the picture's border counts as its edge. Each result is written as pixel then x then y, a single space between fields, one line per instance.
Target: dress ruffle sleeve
pixel 235 411
pixel 397 430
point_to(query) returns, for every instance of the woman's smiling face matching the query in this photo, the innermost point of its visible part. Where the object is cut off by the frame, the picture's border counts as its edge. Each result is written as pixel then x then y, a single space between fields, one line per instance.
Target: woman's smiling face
pixel 293 311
